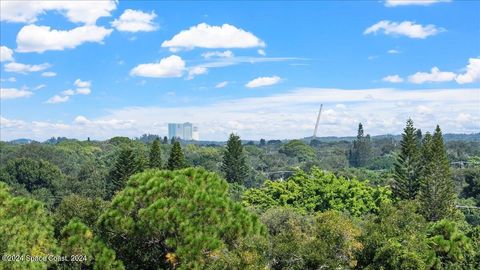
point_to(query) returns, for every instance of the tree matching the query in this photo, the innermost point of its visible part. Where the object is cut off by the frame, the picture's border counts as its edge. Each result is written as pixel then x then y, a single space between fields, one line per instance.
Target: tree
pixel 262 142
pixel 437 193
pixel 360 154
pixel 33 174
pixel 234 162
pixel 165 140
pixel 25 229
pixel 155 161
pixel 298 149
pixel 127 164
pixel 79 240
pixel 407 166
pixel 182 219
pixel 318 191
pixel 176 160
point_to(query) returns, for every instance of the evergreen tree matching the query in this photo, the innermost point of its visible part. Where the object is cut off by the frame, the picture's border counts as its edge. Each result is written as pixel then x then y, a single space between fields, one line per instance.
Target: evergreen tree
pixel 165 140
pixel 437 194
pixel 234 163
pixel 406 173
pixel 262 142
pixel 155 160
pixel 360 154
pixel 176 160
pixel 126 165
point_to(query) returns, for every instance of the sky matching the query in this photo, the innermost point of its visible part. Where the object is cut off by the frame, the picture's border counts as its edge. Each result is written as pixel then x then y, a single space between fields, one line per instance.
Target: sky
pixel 100 69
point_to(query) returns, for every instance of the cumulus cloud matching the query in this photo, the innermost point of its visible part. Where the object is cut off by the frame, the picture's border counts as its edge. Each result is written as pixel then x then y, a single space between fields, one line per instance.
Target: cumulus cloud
pixel 25 68
pixel 194 71
pixel 263 81
pixel 49 74
pixel 58 99
pixel 393 51
pixel 75 11
pixel 34 38
pixel 472 73
pixel 405 28
pixel 83 91
pixel 82 84
pixel 221 84
pixel 6 54
pixel 211 37
pixel 393 79
pixel 68 92
pixel 12 93
pixel 172 66
pixel 395 3
pixel 435 75
pixel 135 21
pixel 11 79
pixel 225 54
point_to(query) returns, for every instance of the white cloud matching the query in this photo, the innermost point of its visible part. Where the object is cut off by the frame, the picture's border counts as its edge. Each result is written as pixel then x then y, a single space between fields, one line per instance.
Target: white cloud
pixel 40 86
pixel 49 74
pixel 172 66
pixel 194 71
pixel 221 84
pixel 395 3
pixel 472 73
pixel 75 11
pixel 435 75
pixel 405 28
pixel 58 99
pixel 82 84
pixel 11 79
pixel 393 51
pixel 263 81
pixel 34 38
pixel 11 93
pixel 25 68
pixel 261 52
pixel 225 54
pixel 206 36
pixel 6 54
pixel 83 91
pixel 393 79
pixel 135 21
pixel 289 115
pixel 68 92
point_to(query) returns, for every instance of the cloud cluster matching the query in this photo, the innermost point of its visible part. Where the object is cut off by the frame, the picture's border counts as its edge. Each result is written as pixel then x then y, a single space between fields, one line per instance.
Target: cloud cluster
pixel 211 37
pixel 6 54
pixel 34 38
pixel 172 66
pixel 12 93
pixel 82 88
pixel 405 28
pixel 470 75
pixel 285 115
pixel 86 12
pixel 25 68
pixel 135 21
pixel 263 81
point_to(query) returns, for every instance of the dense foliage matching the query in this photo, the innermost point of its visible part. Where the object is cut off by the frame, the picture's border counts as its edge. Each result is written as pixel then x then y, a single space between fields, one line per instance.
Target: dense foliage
pixel 385 202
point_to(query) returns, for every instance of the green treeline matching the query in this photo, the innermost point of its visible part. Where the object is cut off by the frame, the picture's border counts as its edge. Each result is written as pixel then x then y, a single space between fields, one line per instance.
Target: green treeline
pixel 302 204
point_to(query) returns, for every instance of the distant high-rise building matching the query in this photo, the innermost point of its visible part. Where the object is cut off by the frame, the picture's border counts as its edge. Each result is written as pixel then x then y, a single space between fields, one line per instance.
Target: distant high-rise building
pixel 186 131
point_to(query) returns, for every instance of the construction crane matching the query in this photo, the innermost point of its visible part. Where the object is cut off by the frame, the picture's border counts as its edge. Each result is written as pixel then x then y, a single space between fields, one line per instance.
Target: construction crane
pixel 318 120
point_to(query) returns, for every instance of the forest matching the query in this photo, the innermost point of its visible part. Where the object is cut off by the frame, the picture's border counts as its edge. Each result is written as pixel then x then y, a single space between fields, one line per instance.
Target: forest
pixel 369 202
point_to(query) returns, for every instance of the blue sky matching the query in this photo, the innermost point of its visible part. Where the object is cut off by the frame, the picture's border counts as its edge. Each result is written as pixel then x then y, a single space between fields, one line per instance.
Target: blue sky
pixel 103 69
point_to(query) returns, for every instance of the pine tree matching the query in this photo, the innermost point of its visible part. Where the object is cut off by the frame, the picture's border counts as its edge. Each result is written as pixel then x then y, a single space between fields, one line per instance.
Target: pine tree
pixel 176 160
pixel 437 194
pixel 407 166
pixel 234 163
pixel 127 164
pixel 155 160
pixel 360 154
pixel 165 140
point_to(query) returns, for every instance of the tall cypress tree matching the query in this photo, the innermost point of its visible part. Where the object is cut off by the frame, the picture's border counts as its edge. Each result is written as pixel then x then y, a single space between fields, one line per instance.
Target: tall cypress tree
pixel 155 159
pixel 127 164
pixel 437 194
pixel 234 163
pixel 407 166
pixel 360 154
pixel 176 160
